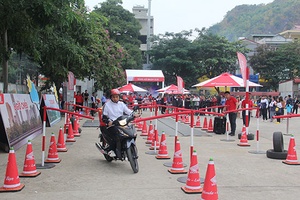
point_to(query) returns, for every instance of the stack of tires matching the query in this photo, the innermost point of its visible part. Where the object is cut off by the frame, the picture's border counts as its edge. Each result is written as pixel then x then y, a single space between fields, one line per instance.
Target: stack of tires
pixel 278 151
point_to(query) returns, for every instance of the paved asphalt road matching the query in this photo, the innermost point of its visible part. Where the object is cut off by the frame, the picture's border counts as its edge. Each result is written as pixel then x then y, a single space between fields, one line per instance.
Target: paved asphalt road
pixel 84 173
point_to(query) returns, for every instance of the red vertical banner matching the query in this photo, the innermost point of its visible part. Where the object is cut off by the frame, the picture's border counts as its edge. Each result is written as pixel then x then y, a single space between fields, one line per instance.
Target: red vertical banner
pixel 243 67
pixel 180 85
pixel 71 81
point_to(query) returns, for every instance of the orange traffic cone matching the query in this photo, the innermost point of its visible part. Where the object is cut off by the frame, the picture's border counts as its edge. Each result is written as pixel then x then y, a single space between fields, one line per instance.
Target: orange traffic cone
pixel 78 124
pixel 182 118
pixel 150 135
pixel 70 136
pixel 29 169
pixel 150 129
pixel 163 151
pixel 291 158
pixel 75 130
pixel 198 124
pixel 155 141
pixel 210 191
pixel 87 111
pixel 244 129
pixel 210 128
pixel 177 165
pixel 67 123
pixel 144 129
pixel 193 184
pixel 167 111
pixel 52 153
pixel 12 180
pixel 187 119
pixel 61 145
pixel 204 124
pixel 244 140
pixel 140 126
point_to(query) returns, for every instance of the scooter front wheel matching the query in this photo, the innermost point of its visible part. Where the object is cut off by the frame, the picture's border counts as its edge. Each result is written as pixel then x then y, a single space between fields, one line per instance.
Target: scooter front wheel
pixel 132 157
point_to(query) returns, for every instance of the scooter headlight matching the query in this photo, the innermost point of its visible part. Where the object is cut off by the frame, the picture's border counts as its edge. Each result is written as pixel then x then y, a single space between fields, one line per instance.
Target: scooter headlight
pixel 123 122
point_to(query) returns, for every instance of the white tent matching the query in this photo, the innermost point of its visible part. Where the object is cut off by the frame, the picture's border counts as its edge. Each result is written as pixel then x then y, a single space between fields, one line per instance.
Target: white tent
pixel 145 76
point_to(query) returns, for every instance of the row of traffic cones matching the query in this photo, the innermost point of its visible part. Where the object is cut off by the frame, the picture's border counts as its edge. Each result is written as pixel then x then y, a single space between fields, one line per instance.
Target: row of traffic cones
pixel 12 180
pixel 193 185
pixel 207 125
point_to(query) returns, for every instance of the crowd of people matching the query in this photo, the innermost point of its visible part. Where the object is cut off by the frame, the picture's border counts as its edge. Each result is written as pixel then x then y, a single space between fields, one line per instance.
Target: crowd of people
pixel 268 105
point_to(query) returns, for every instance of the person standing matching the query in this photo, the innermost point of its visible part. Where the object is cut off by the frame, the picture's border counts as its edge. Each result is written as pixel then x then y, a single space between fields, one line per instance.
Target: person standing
pixel 196 102
pixel 94 103
pixel 103 99
pixel 272 107
pixel 231 105
pixel 264 103
pixel 296 105
pixel 79 101
pixel 279 108
pixel 86 98
pixel 243 105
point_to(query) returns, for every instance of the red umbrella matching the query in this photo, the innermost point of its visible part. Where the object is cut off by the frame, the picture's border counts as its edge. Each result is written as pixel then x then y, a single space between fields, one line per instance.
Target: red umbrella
pixel 131 88
pixel 172 89
pixel 227 80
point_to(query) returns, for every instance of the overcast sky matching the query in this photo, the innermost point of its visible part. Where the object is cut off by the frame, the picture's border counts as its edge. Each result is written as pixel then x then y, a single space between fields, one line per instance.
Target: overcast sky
pixel 177 15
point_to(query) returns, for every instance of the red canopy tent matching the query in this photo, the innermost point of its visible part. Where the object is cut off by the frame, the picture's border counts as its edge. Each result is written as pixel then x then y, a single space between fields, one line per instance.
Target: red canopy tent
pixel 172 89
pixel 131 88
pixel 227 80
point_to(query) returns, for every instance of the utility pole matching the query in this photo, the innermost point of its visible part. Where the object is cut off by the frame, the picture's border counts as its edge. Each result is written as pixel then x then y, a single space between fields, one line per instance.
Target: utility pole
pixel 148 30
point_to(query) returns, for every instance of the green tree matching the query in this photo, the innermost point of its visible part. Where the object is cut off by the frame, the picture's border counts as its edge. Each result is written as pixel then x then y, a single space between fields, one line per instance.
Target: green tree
pixel 61 36
pixel 124 29
pixel 171 53
pixel 105 56
pixel 215 54
pixel 276 64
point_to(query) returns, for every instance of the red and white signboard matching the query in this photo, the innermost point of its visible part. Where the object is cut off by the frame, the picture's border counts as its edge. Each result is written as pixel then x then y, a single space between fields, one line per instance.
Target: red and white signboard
pixel 21 121
pixel 144 75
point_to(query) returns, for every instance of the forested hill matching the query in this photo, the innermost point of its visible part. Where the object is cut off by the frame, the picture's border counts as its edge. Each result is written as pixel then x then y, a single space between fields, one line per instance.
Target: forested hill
pixel 245 20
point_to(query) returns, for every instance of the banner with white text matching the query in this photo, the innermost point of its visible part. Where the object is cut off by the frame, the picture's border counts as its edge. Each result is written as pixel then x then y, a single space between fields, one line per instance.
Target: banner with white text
pixel 20 121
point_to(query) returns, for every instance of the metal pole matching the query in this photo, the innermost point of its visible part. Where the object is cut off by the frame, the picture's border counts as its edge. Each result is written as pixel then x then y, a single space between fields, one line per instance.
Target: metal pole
pixel 148 29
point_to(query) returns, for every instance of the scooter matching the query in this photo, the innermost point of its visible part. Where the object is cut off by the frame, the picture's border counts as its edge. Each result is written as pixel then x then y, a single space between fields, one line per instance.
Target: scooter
pixel 126 146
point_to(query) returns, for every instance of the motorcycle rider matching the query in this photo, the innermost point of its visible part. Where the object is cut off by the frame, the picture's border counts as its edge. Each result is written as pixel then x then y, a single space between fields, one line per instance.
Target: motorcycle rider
pixel 111 111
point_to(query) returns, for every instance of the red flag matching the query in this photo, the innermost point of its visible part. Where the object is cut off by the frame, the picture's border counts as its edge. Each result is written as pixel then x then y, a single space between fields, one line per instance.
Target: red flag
pixel 243 67
pixel 180 85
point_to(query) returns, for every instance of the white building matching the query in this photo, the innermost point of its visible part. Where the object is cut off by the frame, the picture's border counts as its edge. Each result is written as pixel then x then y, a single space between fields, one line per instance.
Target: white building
pixel 141 14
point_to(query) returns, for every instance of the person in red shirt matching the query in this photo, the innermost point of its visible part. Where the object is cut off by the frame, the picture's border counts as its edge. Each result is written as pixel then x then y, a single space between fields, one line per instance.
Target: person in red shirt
pixel 231 104
pixel 130 99
pixel 243 105
pixel 79 101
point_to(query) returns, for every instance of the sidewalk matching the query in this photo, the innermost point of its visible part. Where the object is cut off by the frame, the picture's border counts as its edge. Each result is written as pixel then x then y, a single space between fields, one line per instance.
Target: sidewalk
pixel 84 173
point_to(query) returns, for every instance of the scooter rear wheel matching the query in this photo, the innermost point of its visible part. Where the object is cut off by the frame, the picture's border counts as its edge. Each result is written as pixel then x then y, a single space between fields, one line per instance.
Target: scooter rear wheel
pixel 108 158
pixel 132 157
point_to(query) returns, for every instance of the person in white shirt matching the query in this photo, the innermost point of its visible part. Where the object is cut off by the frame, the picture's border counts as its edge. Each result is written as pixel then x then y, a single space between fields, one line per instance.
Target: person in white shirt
pixel 264 104
pixel 113 109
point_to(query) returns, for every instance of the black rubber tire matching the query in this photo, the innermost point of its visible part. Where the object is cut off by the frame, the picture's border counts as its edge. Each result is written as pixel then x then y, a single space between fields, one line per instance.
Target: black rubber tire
pixel 108 158
pixel 250 136
pixel 276 155
pixel 278 142
pixel 132 157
